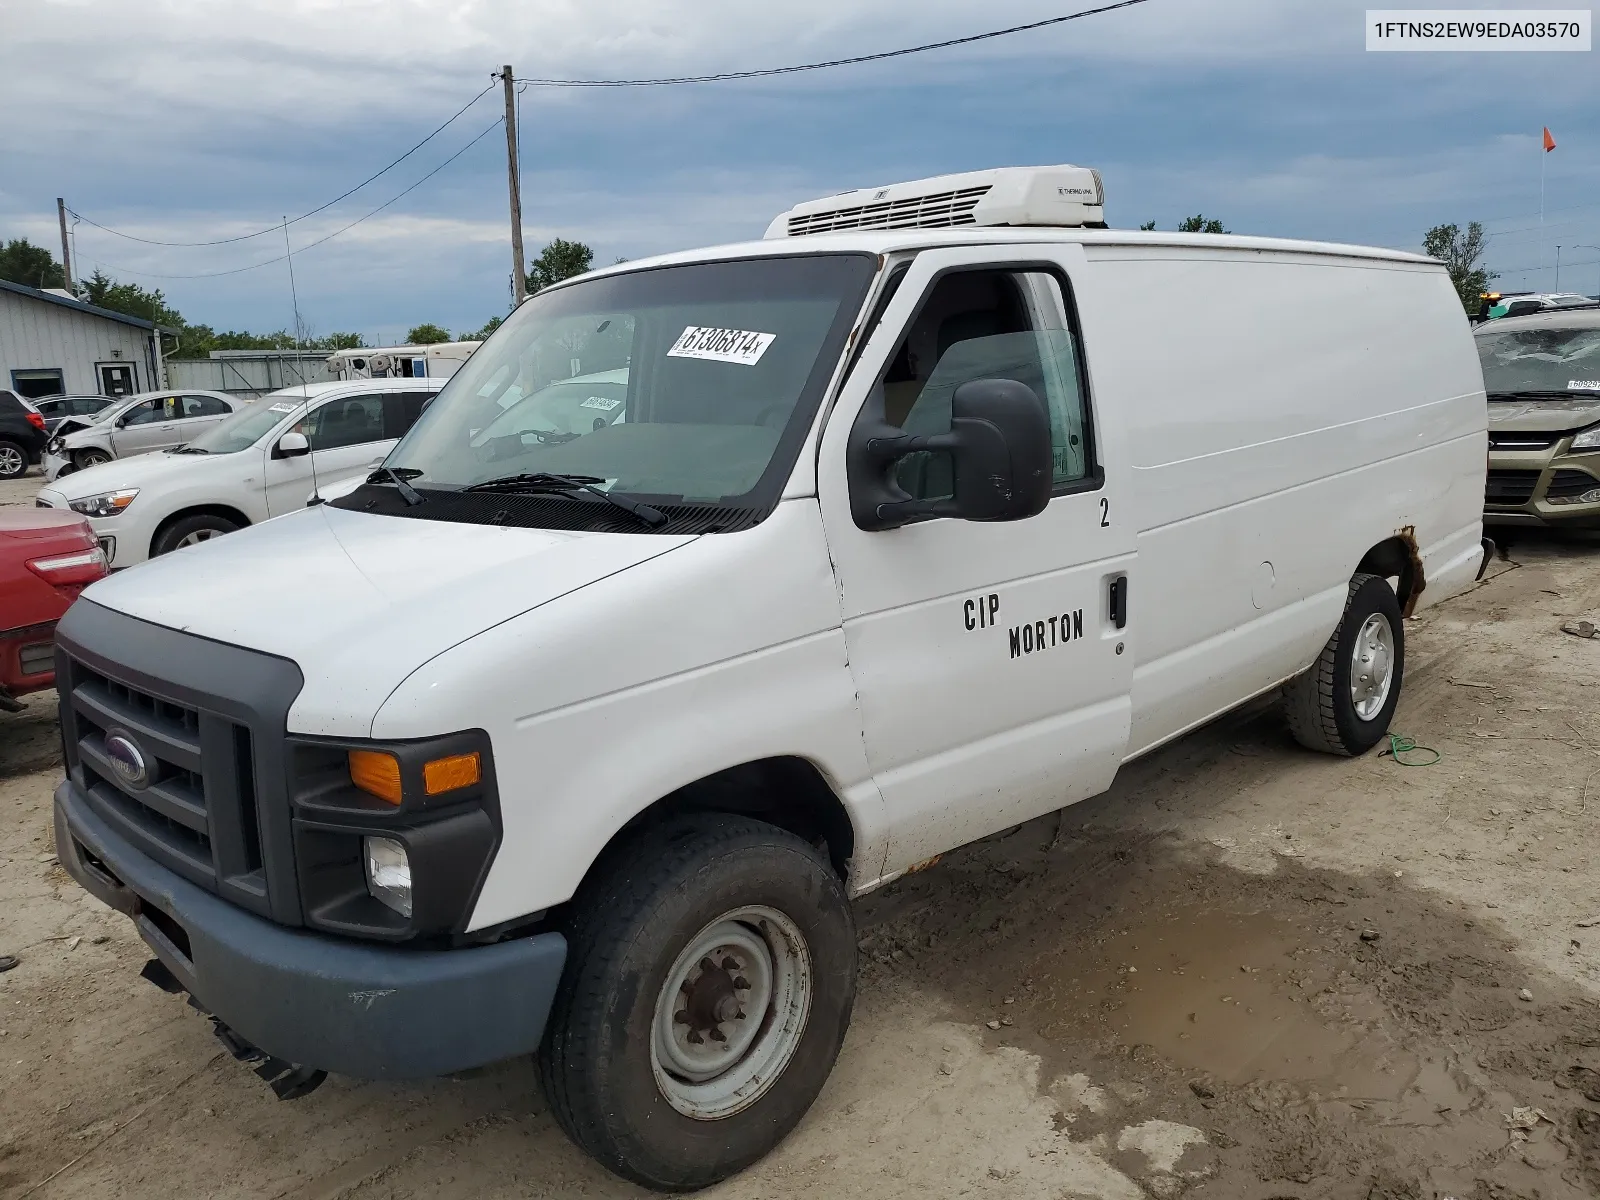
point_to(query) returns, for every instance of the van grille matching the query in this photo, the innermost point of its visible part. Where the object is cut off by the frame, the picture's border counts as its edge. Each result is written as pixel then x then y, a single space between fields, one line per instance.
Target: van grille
pixel 1509 488
pixel 938 210
pixel 197 813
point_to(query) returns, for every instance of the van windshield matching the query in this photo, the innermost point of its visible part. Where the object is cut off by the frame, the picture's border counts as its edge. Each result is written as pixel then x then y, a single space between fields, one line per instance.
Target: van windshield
pixel 244 429
pixel 1541 360
pixel 689 384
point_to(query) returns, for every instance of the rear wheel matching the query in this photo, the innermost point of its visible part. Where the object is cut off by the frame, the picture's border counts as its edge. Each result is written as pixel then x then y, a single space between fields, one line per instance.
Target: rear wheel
pixel 709 982
pixel 190 531
pixel 13 460
pixel 90 458
pixel 1344 703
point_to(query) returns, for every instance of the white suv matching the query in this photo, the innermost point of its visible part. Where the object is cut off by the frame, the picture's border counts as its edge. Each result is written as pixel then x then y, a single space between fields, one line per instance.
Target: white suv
pixel 256 464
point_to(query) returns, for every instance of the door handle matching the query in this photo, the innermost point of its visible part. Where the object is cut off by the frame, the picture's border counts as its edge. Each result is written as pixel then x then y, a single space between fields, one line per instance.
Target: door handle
pixel 1119 601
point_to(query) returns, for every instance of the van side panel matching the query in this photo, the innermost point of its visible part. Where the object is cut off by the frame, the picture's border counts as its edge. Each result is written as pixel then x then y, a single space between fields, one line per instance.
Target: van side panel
pixel 1286 412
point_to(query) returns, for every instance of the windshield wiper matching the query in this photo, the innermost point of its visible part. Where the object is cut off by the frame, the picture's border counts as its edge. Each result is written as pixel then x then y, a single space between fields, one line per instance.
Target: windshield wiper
pixel 188 450
pixel 1553 394
pixel 543 481
pixel 398 477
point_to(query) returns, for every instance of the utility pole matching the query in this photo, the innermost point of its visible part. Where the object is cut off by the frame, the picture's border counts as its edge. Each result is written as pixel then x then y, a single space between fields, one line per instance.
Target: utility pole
pixel 519 265
pixel 66 257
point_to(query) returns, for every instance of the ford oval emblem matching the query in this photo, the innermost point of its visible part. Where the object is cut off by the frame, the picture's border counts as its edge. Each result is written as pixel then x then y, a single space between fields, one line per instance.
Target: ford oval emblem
pixel 127 760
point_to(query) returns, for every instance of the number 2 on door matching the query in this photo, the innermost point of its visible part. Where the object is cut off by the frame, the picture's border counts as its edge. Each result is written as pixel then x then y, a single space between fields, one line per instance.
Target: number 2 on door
pixel 1105 513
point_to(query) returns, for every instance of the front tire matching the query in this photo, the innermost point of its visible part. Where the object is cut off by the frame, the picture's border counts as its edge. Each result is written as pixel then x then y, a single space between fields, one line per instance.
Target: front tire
pixel 710 977
pixel 90 458
pixel 190 531
pixel 1344 703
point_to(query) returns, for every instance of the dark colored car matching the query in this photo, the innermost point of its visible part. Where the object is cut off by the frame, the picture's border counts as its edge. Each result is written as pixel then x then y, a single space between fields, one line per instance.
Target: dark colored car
pixel 47 556
pixel 56 409
pixel 22 435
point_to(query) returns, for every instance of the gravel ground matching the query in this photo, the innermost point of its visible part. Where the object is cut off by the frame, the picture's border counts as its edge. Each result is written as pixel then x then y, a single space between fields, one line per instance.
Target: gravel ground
pixel 1247 973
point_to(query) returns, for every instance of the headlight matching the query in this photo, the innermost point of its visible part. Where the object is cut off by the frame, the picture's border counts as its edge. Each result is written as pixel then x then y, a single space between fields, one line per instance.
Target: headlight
pixel 55 445
pixel 1589 439
pixel 106 504
pixel 388 873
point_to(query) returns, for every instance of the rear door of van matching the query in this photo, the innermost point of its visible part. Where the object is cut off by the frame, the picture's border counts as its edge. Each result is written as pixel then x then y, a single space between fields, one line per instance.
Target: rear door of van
pixel 992 660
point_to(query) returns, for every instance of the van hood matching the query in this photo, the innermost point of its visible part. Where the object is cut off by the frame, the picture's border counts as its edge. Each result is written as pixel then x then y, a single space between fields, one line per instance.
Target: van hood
pixel 1543 416
pixel 359 601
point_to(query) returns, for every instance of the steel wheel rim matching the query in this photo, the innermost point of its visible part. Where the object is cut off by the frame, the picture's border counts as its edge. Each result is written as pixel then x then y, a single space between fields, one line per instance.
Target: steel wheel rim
pixel 197 536
pixel 712 1079
pixel 1372 666
pixel 11 461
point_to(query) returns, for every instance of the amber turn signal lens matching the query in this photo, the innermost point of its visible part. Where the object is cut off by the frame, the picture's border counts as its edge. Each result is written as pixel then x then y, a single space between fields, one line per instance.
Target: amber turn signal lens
pixel 376 773
pixel 448 774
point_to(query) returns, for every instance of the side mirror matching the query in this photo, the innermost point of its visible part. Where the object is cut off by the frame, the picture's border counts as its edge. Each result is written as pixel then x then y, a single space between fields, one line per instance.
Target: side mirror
pixel 291 445
pixel 999 444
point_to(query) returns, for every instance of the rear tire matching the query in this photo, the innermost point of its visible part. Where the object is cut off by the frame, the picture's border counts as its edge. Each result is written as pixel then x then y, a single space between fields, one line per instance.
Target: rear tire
pixel 13 459
pixel 1344 703
pixel 84 459
pixel 621 1064
pixel 188 531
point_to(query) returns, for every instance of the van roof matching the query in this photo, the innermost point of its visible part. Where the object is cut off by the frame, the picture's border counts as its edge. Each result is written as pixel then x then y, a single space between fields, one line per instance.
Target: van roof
pixel 888 241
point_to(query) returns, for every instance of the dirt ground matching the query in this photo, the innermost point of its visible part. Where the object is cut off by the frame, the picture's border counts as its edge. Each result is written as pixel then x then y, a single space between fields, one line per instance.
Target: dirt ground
pixel 1247 973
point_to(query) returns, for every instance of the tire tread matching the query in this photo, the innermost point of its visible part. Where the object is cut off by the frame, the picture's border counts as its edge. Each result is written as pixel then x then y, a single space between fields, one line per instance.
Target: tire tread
pixel 1308 700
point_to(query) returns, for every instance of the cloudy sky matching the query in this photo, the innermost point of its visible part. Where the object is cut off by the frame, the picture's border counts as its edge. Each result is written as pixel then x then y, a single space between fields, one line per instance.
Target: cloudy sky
pixel 196 120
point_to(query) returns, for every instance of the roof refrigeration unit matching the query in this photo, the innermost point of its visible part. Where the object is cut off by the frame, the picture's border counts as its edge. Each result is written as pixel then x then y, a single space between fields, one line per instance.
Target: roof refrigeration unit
pixel 1057 196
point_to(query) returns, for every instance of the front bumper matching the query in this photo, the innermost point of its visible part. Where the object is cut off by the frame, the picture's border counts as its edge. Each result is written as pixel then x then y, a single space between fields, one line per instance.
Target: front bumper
pixel 373 1012
pixel 1543 487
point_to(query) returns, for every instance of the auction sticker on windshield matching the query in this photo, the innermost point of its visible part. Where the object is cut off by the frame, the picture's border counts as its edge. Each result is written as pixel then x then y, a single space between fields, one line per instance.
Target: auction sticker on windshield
pixel 603 403
pixel 283 407
pixel 1583 385
pixel 722 345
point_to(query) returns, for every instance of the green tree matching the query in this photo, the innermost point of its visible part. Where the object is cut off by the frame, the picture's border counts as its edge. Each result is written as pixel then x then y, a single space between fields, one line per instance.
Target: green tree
pixel 1461 254
pixel 340 341
pixel 1200 223
pixel 148 303
pixel 427 334
pixel 559 260
pixel 32 266
pixel 489 326
pixel 1148 226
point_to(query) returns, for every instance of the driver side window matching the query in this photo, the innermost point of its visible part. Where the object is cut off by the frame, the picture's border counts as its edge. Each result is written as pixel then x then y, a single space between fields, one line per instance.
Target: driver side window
pixel 987 324
pixel 147 412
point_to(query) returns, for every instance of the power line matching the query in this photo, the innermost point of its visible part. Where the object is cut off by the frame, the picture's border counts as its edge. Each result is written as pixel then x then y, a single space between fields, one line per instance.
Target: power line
pixel 245 237
pixel 836 62
pixel 495 124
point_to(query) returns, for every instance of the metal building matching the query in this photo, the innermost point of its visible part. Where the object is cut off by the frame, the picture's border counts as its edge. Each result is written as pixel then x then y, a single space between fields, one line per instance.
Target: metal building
pixel 51 343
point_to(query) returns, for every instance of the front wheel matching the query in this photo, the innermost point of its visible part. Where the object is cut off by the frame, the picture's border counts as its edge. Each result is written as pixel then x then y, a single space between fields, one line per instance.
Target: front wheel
pixel 710 976
pixel 191 531
pixel 90 458
pixel 1344 703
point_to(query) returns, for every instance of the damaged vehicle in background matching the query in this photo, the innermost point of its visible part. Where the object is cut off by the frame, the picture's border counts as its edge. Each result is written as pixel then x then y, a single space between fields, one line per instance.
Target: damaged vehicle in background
pixel 139 424
pixel 1542 376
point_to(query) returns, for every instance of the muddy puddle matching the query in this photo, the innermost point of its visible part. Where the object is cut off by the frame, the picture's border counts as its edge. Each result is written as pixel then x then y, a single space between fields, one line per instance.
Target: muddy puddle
pixel 1328 1036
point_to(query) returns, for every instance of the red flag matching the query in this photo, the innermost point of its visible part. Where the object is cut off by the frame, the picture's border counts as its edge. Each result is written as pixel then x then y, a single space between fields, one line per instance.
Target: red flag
pixel 1549 142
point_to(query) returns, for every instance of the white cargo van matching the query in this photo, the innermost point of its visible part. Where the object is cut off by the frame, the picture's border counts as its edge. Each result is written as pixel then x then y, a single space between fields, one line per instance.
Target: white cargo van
pixel 913 521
